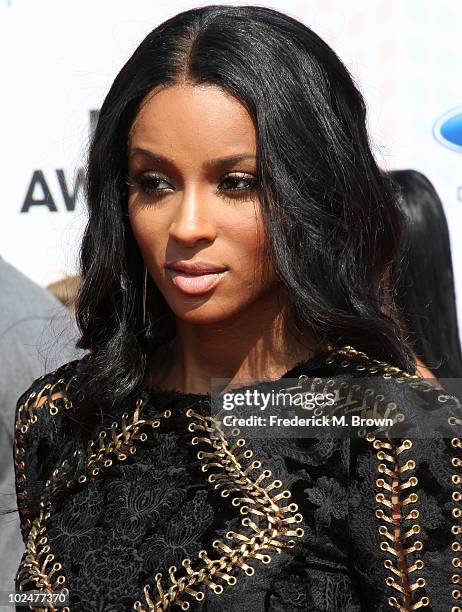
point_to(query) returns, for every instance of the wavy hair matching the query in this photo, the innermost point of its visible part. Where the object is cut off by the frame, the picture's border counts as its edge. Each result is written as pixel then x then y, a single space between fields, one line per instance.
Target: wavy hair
pixel 332 218
pixel 425 292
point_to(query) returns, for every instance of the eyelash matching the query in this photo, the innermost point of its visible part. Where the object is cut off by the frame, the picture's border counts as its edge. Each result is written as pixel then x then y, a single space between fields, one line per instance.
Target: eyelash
pixel 144 182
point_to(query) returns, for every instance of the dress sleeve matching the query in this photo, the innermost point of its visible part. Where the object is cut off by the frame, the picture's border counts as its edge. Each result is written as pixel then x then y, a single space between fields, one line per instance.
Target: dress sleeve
pixel 38 439
pixel 404 499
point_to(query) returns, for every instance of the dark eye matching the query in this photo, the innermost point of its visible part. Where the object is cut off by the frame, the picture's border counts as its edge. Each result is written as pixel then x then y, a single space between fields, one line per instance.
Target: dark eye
pixel 238 186
pixel 148 183
pixel 238 182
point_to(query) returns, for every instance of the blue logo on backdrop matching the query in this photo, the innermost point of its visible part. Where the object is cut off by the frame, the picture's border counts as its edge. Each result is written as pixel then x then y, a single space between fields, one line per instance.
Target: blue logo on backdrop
pixel 448 129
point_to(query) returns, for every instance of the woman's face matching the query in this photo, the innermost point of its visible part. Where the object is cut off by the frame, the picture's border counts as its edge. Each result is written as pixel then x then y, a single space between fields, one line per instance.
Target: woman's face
pixel 193 200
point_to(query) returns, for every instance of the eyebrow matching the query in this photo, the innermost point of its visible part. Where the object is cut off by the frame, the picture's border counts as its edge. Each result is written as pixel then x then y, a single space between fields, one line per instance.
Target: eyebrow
pixel 222 162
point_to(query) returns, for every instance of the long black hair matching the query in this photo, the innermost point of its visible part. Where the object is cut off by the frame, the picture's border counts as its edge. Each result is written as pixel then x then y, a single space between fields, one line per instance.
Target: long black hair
pixel 332 219
pixel 425 292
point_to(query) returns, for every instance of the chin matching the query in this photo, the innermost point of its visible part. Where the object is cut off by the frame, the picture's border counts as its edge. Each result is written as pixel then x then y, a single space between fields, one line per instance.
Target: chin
pixel 205 312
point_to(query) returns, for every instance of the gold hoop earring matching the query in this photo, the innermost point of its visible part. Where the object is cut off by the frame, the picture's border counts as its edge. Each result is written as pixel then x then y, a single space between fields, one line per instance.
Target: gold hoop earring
pixel 144 294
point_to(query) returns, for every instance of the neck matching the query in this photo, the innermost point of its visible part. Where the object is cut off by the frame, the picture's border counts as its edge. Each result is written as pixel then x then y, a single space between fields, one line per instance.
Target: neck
pixel 422 370
pixel 252 346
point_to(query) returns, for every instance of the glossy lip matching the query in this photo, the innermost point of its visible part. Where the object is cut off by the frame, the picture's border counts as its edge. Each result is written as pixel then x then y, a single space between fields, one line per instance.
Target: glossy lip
pixel 195 278
pixel 196 267
pixel 195 284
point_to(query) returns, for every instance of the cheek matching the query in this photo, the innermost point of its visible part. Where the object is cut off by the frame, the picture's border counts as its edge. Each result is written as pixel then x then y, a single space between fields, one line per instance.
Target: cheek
pixel 150 233
pixel 244 228
pixel 249 246
pixel 251 256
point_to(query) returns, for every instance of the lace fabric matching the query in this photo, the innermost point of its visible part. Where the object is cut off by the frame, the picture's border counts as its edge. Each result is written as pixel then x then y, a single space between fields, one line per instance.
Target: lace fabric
pixel 117 533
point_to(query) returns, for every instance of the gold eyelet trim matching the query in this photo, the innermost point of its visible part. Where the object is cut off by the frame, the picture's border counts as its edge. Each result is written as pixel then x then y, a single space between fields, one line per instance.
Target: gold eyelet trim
pixel 256 501
pixel 26 418
pixel 396 510
pixel 32 570
pixel 35 572
pixel 456 479
pixel 386 370
pixel 456 528
pixel 38 571
pixel 395 514
pixel 253 499
pixel 118 443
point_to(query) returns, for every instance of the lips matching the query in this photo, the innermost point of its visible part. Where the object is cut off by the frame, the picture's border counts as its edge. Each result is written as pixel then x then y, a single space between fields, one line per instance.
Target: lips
pixel 198 267
pixel 195 278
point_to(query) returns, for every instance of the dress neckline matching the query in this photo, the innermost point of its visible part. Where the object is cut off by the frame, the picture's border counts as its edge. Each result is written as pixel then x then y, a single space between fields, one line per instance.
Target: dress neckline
pixel 299 368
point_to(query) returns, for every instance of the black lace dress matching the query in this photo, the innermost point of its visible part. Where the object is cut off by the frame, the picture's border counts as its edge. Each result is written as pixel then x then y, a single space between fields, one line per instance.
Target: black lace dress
pixel 156 513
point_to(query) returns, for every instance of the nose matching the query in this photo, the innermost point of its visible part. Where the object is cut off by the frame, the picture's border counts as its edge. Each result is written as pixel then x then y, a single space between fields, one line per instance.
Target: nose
pixel 192 222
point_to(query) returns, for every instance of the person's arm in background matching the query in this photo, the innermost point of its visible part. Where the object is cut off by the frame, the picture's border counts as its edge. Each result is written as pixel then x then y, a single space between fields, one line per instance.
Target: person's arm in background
pixel 37 335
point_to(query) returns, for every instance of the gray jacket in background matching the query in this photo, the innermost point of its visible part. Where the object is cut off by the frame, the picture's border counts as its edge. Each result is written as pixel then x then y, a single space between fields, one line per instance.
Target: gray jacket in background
pixel 37 335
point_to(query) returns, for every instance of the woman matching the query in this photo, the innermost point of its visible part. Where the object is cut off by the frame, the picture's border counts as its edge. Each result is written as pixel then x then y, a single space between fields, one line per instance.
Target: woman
pixel 426 294
pixel 239 229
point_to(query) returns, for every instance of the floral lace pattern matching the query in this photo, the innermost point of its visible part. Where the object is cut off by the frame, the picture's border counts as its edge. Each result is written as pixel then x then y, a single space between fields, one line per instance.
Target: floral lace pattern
pixel 142 515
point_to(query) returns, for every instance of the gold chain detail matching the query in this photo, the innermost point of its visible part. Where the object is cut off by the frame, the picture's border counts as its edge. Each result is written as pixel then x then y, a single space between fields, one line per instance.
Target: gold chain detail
pixel 387 370
pixel 232 477
pixel 395 512
pixel 120 445
pixel 27 417
pixel 37 571
pixel 32 570
pixel 456 528
pixel 456 480
pixel 252 497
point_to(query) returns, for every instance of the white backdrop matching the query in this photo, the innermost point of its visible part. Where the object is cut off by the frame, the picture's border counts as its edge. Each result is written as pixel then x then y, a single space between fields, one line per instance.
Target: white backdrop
pixel 59 59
